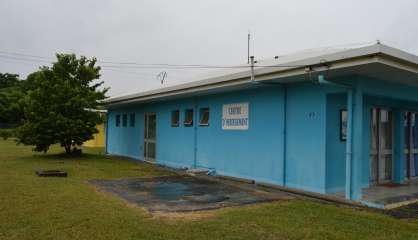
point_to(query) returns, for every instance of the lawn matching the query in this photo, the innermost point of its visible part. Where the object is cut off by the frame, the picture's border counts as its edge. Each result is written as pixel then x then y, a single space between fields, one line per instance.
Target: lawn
pixel 70 208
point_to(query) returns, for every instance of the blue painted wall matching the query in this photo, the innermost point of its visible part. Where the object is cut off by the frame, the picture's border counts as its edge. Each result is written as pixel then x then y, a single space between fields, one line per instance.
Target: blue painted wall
pixel 125 141
pixel 335 148
pixel 255 153
pixel 306 113
pixel 315 156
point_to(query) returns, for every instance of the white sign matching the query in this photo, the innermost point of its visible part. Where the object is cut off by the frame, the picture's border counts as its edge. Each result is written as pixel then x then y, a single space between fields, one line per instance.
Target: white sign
pixel 235 116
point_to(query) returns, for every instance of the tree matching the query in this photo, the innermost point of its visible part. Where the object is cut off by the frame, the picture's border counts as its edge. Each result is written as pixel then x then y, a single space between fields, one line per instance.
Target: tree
pixel 58 101
pixel 8 80
pixel 11 95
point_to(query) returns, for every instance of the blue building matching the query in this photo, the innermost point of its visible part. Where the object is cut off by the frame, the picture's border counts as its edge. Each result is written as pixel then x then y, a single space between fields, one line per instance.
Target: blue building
pixel 329 121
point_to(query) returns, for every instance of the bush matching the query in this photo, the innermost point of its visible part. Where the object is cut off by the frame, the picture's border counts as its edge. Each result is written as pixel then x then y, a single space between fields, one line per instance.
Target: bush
pixel 7 133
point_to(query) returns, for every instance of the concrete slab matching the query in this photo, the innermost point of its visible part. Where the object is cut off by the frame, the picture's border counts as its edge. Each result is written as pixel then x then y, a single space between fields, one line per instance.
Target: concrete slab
pixel 182 193
pixel 389 196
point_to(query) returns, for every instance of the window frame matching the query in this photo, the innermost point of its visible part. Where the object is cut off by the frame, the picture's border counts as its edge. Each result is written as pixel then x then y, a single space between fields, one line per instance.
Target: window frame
pixel 187 123
pixel 201 111
pixel 175 124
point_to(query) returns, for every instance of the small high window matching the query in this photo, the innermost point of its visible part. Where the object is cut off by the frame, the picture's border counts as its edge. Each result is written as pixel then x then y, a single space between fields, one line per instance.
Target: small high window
pixel 124 120
pixel 117 120
pixel 175 118
pixel 188 117
pixel 132 120
pixel 204 117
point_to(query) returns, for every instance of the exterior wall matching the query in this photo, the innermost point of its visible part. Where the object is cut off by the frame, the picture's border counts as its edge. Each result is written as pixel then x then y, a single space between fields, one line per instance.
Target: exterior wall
pixel 125 141
pixel 305 139
pixel 335 148
pixel 315 156
pixel 293 137
pixel 255 153
pixel 99 138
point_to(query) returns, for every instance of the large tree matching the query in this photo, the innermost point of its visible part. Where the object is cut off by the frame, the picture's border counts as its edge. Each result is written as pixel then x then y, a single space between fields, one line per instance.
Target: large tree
pixel 58 104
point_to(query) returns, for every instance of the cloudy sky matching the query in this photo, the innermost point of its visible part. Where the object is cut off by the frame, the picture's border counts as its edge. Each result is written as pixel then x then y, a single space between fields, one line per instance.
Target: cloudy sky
pixel 211 32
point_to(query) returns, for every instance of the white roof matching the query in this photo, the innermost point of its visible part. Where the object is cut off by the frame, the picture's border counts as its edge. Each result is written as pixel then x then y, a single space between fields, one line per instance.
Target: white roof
pixel 283 66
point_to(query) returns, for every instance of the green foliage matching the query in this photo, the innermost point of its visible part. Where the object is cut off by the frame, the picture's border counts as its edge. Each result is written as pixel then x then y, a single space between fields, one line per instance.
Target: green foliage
pixel 11 95
pixel 6 133
pixel 8 80
pixel 57 103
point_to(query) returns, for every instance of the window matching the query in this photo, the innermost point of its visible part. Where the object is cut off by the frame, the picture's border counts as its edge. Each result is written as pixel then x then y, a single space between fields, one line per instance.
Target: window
pixel 124 120
pixel 343 125
pixel 117 120
pixel 188 117
pixel 132 120
pixel 204 117
pixel 175 118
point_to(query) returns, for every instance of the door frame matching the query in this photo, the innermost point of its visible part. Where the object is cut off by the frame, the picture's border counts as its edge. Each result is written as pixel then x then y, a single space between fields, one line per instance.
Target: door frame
pixel 147 140
pixel 410 149
pixel 379 149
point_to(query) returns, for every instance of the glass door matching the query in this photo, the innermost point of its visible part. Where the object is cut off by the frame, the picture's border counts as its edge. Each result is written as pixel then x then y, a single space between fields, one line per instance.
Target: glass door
pixel 150 137
pixel 381 152
pixel 411 144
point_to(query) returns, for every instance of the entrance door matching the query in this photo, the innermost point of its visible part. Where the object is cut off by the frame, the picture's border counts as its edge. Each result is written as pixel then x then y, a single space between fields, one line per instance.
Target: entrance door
pixel 150 136
pixel 411 144
pixel 381 146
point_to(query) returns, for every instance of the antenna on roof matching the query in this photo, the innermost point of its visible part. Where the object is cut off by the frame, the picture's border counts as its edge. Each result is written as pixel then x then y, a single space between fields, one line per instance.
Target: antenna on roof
pixel 248 47
pixel 162 76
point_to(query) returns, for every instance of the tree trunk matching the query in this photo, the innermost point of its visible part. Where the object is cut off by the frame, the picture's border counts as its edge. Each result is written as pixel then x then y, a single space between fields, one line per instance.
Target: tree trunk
pixel 68 149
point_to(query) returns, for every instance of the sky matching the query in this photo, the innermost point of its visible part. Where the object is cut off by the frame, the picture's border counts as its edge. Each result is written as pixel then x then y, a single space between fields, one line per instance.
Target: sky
pixel 184 32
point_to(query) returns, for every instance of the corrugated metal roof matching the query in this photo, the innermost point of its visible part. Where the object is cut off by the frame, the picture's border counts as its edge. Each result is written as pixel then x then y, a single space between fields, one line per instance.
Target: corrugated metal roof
pixel 298 60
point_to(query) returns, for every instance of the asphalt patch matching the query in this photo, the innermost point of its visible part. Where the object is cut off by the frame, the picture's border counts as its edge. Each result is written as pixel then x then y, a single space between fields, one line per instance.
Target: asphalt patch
pixel 181 193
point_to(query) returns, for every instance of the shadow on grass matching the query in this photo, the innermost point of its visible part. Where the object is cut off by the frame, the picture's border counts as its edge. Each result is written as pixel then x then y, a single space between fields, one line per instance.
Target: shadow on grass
pixel 65 157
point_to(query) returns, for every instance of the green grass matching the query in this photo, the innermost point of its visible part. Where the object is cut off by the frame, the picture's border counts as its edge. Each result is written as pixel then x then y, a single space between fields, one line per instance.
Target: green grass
pixel 69 208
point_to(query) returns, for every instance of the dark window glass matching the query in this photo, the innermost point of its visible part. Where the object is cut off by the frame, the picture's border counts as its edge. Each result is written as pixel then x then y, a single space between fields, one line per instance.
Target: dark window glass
pixel 132 120
pixel 117 120
pixel 204 117
pixel 188 117
pixel 175 118
pixel 343 125
pixel 124 120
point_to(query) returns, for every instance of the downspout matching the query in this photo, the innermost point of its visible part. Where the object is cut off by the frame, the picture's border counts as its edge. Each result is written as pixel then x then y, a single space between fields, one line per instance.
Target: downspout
pixel 349 141
pixel 284 133
pixel 195 133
